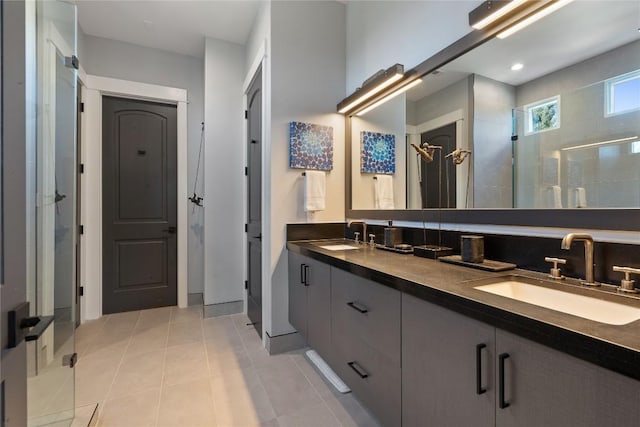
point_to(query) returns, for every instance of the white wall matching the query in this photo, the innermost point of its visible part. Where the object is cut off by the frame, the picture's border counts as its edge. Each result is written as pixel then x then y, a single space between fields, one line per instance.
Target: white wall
pixel 110 58
pixel 224 178
pixel 382 33
pixel 307 81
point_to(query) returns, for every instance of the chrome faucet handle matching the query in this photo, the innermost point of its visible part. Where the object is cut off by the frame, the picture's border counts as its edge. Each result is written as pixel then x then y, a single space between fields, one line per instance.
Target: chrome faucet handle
pixel 626 284
pixel 372 239
pixel 555 272
pixel 357 236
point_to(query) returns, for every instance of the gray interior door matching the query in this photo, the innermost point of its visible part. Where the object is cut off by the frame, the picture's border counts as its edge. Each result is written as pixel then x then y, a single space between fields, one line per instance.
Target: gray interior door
pixel 139 205
pixel 438 186
pixel 254 205
pixel 13 290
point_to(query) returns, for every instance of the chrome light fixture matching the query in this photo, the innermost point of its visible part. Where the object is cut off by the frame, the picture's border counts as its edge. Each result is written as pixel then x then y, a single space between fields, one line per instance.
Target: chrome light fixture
pixel 372 86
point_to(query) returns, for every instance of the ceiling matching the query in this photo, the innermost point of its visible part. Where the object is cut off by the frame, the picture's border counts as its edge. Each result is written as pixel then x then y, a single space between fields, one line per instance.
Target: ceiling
pixel 174 25
pixel 580 30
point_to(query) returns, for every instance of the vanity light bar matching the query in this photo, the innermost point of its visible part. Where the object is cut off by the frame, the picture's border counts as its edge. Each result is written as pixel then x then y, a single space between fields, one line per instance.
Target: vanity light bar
pixel 490 11
pixel 552 7
pixel 390 96
pixel 596 144
pixel 373 86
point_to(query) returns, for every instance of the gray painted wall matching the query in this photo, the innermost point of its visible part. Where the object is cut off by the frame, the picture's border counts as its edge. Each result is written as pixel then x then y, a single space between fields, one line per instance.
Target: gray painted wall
pixel 110 58
pixel 492 105
pixel 224 163
pixel 307 81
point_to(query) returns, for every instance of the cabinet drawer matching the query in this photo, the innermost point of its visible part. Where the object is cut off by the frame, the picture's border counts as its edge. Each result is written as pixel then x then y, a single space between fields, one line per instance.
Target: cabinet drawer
pixel 367 310
pixel 375 382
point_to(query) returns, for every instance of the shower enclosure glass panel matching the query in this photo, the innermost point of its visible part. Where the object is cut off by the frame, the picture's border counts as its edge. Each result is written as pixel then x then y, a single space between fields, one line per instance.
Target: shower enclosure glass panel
pixel 571 152
pixel 51 381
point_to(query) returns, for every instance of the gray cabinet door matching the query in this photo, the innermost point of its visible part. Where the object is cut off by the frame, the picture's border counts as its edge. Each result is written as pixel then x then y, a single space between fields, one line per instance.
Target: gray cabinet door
pixel 440 384
pixel 367 310
pixel 544 387
pixel 318 281
pixel 297 293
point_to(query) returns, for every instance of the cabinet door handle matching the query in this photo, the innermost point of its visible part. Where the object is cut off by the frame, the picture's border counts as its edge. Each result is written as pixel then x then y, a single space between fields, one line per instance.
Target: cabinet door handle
pixel 306 274
pixel 503 404
pixel 302 278
pixel 479 388
pixel 359 308
pixel 358 369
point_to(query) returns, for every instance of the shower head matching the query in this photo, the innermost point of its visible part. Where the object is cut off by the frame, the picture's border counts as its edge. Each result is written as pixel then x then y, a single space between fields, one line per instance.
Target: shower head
pixel 458 155
pixel 426 151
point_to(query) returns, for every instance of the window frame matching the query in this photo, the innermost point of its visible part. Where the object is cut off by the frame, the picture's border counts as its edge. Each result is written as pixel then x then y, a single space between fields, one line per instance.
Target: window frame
pixel 609 92
pixel 528 109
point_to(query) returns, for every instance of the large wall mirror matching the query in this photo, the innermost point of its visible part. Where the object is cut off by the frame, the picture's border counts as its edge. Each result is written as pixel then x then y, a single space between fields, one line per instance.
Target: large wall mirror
pixel 547 119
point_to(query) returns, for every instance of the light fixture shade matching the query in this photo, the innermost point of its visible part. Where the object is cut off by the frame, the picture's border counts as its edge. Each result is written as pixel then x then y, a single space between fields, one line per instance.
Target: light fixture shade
pixel 371 87
pixel 395 93
pixel 491 11
pixel 547 10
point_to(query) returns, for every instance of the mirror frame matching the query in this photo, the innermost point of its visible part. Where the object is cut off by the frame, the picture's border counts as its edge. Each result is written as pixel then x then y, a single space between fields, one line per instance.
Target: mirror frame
pixel 619 219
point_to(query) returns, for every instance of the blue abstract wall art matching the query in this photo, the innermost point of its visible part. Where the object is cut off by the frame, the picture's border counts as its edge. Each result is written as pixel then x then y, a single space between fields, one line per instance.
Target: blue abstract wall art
pixel 378 153
pixel 310 146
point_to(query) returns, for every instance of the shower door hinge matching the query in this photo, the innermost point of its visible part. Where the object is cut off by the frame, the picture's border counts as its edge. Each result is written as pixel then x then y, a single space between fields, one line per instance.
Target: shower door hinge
pixel 82 107
pixel 246 114
pixel 246 228
pixel 70 360
pixel 71 62
pixel 514 137
pixel 246 284
pixel 81 229
pixel 246 171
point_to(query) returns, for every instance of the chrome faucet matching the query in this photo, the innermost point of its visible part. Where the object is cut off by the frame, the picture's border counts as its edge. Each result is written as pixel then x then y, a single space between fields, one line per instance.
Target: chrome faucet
pixel 364 228
pixel 588 254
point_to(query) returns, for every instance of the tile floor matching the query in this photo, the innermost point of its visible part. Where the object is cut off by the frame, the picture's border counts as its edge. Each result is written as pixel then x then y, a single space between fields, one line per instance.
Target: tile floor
pixel 171 367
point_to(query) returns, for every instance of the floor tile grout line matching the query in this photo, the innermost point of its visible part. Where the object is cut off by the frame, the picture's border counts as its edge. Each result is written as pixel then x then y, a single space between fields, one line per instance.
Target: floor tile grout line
pixel 115 375
pixel 164 365
pixel 335 416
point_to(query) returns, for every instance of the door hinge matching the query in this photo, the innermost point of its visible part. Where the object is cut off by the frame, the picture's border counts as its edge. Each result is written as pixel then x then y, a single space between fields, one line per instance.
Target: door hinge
pixel 81 229
pixel 82 107
pixel 81 291
pixel 514 137
pixel 246 284
pixel 253 141
pixel 81 168
pixel 70 360
pixel 246 171
pixel 246 228
pixel 71 62
pixel 246 114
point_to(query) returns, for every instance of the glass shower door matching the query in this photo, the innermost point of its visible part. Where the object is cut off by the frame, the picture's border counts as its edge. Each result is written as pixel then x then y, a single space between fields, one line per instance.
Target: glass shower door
pixel 51 383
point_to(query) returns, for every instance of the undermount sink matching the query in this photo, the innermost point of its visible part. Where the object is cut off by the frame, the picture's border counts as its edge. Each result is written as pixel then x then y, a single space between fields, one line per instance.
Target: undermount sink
pixel 339 247
pixel 566 302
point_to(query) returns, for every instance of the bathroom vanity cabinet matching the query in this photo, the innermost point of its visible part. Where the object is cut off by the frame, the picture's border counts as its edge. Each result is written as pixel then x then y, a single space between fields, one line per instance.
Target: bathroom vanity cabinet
pixel 417 362
pixel 365 325
pixel 451 368
pixel 310 301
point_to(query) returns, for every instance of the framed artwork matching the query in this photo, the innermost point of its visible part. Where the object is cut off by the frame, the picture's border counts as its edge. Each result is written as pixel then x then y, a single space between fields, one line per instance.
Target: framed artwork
pixel 310 146
pixel 378 153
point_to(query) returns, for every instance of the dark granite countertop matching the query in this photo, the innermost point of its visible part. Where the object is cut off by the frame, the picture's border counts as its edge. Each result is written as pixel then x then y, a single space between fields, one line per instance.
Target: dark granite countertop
pixel 611 346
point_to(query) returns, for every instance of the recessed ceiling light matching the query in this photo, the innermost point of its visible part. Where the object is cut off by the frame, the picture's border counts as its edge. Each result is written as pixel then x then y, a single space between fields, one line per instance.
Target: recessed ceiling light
pixel 517 66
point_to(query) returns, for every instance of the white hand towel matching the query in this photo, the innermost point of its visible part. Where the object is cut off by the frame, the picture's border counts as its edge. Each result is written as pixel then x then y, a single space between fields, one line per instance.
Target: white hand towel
pixel 580 195
pixel 315 187
pixel 552 197
pixel 383 188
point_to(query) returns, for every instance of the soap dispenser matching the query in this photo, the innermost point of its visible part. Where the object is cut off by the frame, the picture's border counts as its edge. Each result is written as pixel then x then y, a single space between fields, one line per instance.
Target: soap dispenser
pixel 392 235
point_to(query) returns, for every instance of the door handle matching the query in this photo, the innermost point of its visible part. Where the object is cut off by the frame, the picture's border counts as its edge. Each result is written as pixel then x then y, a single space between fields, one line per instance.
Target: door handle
pixel 302 278
pixel 502 403
pixel 306 275
pixel 357 307
pixel 479 388
pixel 170 230
pixel 358 369
pixel 24 327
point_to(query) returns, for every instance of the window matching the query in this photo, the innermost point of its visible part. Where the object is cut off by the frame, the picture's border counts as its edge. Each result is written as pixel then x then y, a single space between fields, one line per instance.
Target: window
pixel 543 115
pixel 623 93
